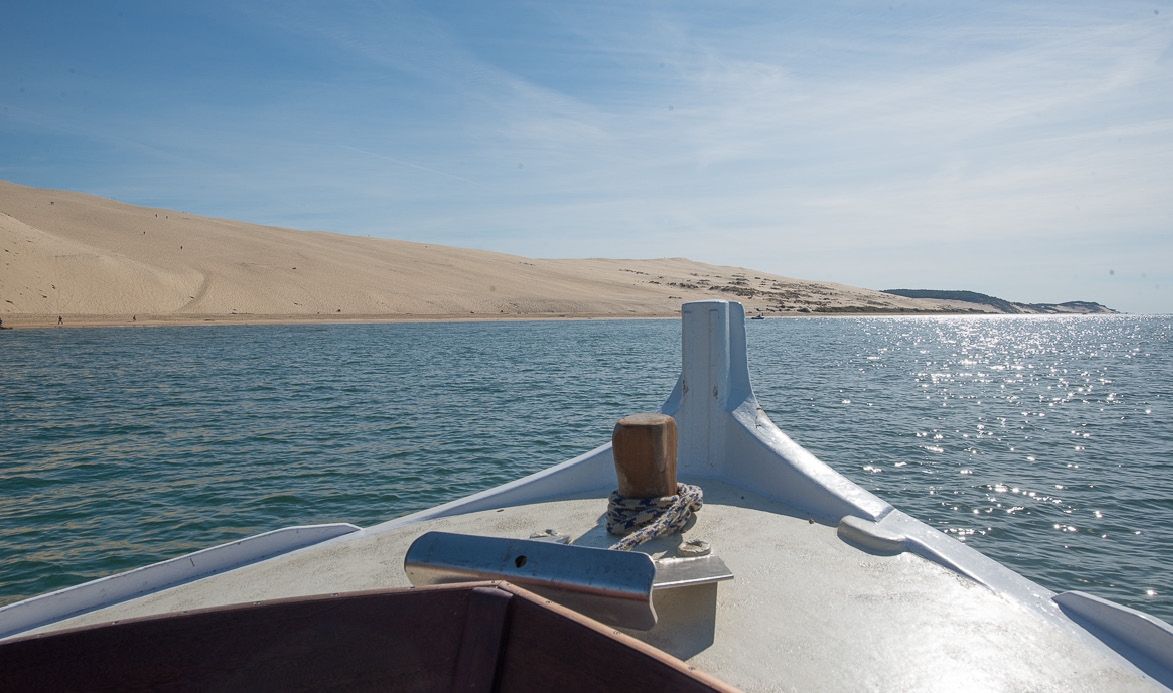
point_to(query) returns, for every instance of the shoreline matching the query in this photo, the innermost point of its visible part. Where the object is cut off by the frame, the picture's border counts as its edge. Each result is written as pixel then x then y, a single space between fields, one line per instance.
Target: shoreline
pixel 42 322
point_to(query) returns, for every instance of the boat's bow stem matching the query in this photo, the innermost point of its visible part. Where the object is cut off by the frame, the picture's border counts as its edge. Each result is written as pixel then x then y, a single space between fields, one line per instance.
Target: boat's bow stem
pixel 724 433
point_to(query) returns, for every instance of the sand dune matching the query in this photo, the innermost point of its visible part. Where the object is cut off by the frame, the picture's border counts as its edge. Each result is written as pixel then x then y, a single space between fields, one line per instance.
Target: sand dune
pixel 96 261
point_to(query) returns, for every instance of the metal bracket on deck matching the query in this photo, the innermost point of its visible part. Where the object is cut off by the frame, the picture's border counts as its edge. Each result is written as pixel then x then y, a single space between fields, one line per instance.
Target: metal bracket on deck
pixel 688 571
pixel 613 587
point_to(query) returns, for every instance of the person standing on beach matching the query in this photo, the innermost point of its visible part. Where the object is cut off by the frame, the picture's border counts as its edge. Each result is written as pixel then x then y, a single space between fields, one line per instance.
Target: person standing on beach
pixel 58 319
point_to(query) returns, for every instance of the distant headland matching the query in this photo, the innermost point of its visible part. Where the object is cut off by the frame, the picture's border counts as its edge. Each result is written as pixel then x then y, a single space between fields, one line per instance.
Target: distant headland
pixel 79 260
pixel 1001 305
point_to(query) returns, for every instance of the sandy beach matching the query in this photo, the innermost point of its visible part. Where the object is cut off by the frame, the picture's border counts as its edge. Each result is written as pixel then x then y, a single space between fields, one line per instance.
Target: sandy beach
pixel 91 261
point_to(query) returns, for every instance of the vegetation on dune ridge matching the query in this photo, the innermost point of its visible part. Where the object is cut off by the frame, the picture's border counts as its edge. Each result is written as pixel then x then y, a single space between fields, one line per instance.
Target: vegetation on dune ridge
pixel 1002 304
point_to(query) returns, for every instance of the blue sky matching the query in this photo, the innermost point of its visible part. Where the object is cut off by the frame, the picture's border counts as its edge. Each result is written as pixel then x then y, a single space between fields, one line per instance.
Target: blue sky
pixel 1020 149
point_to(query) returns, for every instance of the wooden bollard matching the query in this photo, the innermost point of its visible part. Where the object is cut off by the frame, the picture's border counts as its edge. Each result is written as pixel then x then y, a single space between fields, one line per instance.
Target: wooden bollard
pixel 644 447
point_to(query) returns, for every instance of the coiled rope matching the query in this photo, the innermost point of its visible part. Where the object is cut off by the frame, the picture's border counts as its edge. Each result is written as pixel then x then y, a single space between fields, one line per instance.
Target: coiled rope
pixel 642 519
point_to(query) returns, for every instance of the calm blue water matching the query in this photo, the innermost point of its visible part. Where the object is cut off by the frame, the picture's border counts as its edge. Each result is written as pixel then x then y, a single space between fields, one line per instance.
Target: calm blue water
pixel 1047 443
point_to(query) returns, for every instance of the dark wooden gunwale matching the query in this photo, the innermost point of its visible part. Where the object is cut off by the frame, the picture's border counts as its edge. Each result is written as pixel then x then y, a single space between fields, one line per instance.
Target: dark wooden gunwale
pixel 477 636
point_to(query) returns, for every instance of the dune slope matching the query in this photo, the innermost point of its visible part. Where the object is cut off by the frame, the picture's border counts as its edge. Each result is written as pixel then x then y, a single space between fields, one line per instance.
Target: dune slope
pixel 98 261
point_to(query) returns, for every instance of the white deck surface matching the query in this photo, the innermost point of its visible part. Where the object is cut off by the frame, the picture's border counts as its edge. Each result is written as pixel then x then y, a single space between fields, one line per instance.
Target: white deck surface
pixel 805 612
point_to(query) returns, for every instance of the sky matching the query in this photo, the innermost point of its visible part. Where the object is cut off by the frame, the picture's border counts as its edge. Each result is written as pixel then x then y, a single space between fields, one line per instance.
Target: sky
pixel 1019 149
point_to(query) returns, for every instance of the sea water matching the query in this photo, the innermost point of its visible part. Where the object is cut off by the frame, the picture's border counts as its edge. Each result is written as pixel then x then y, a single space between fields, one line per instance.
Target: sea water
pixel 1045 442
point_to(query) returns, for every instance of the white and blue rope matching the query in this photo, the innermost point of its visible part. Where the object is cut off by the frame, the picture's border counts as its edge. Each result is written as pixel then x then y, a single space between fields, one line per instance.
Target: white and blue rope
pixel 642 519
